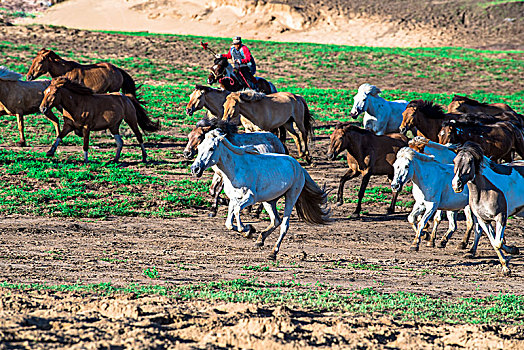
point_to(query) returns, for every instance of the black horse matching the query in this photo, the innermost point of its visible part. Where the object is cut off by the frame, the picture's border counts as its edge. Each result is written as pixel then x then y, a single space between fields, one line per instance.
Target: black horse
pixel 229 79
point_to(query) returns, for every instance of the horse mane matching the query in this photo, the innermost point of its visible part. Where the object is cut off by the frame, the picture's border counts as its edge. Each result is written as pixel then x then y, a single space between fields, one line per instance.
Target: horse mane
pixel 368 89
pixel 463 123
pixel 251 95
pixel 49 53
pixel 9 75
pixel 350 127
pixel 237 150
pixel 429 108
pixel 71 85
pixel 204 88
pixel 469 101
pixel 409 153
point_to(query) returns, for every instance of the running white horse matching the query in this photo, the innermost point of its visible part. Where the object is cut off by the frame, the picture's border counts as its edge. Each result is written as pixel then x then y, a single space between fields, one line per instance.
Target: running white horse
pixel 495 194
pixel 380 116
pixel 250 177
pixel 432 191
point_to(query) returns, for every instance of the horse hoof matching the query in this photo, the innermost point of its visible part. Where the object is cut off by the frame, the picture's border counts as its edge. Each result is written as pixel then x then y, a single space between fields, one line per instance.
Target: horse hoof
pixel 50 154
pixel 339 204
pixel 414 248
pixel 442 244
pixel 212 214
pixel 21 144
pixel 272 256
pixel 355 216
pixel 259 244
pixel 430 244
pixel 505 271
pixel 249 234
pixel 390 211
pixel 513 250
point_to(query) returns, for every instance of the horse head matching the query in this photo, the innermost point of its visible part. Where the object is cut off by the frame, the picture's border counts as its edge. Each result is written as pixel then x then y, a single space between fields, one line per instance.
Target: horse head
pixel 40 64
pixel 208 152
pixel 360 104
pixel 337 143
pixel 447 132
pixel 403 171
pixel 196 100
pixel 52 95
pixel 232 108
pixel 195 138
pixel 466 165
pixel 408 118
pixel 418 143
pixel 218 70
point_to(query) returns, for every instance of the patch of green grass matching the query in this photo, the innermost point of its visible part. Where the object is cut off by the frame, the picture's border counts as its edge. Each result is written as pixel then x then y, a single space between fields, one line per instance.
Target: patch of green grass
pixel 256 268
pixel 151 272
pixel 496 309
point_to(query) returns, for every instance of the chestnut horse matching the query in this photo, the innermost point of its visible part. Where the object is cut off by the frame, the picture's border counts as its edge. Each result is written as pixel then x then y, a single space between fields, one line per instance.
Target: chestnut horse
pixel 367 154
pixel 22 97
pixel 99 77
pixel 497 140
pixel 463 104
pixel 269 112
pixel 85 111
pixel 426 117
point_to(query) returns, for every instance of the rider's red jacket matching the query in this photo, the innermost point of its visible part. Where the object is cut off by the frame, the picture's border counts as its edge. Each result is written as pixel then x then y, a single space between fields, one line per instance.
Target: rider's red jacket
pixel 245 52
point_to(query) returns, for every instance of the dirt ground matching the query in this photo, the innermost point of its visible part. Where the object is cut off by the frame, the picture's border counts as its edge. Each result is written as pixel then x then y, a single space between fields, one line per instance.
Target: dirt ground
pixel 68 251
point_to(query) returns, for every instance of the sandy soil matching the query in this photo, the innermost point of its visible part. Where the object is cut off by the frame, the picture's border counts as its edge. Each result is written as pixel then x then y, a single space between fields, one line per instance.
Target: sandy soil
pixel 370 23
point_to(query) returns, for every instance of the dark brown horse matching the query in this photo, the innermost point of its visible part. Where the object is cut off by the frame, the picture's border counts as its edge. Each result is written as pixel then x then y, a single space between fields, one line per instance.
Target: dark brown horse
pixel 99 77
pixel 497 139
pixel 19 98
pixel 85 111
pixel 223 73
pixel 464 104
pixel 426 117
pixel 367 154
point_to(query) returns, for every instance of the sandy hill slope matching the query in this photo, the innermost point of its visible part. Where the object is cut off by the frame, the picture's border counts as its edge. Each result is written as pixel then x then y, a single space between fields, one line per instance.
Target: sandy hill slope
pixel 372 22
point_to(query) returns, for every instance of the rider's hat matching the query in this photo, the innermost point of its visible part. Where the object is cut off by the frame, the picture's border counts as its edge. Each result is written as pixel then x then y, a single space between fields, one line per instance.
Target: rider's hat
pixel 237 40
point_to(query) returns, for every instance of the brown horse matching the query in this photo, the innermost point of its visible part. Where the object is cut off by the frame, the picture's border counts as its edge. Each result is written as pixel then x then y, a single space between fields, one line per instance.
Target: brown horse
pixel 367 154
pixel 223 73
pixel 21 97
pixel 463 104
pixel 85 111
pixel 426 117
pixel 99 77
pixel 497 140
pixel 269 112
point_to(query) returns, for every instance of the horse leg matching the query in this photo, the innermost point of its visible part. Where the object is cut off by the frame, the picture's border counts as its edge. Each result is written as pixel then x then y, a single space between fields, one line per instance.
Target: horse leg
pixel 294 135
pixel 363 185
pixel 391 208
pixel 20 122
pixel 247 200
pixel 437 218
pixel 303 136
pixel 86 144
pixel 495 238
pixel 478 232
pixel 134 127
pixel 291 198
pixel 469 227
pixel 417 210
pixel 275 221
pixel 215 189
pixel 66 129
pixel 53 120
pixel 231 215
pixel 452 219
pixel 431 208
pixel 347 176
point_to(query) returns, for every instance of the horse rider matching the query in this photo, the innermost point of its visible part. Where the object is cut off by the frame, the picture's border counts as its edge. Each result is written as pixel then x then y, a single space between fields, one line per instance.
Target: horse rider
pixel 245 66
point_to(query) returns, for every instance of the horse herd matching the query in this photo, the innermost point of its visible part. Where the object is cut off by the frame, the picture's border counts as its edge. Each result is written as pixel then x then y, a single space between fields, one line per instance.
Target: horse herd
pixel 452 162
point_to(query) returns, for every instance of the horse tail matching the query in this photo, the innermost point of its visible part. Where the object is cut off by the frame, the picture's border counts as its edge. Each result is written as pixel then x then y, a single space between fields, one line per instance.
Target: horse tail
pixel 143 119
pixel 312 203
pixel 519 140
pixel 308 118
pixel 128 85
